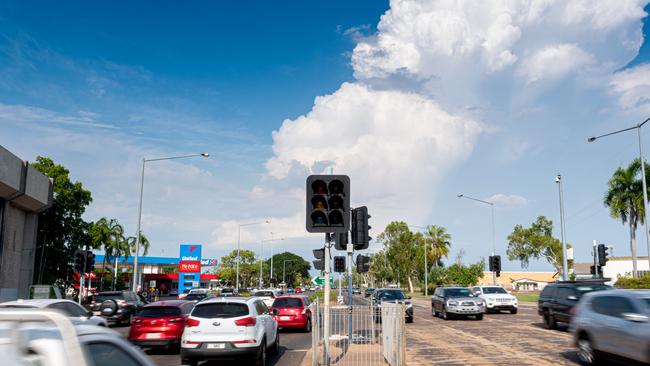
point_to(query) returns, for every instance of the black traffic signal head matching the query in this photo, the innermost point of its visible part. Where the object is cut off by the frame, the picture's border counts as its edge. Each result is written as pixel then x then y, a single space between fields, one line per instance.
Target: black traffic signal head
pixel 363 263
pixel 79 260
pixel 328 204
pixel 360 228
pixel 319 264
pixel 90 261
pixel 495 264
pixel 341 241
pixel 319 254
pixel 339 264
pixel 602 254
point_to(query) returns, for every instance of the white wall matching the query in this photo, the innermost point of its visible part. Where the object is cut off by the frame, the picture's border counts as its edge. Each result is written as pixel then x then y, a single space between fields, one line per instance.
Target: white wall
pixel 615 268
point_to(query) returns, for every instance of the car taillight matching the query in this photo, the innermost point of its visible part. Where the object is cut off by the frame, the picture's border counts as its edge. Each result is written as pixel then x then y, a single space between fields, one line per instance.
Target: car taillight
pixel 246 322
pixel 121 302
pixel 192 323
pixel 244 341
pixel 172 320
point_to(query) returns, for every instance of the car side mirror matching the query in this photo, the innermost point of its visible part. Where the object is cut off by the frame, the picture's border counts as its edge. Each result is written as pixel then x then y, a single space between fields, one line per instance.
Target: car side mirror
pixel 276 312
pixel 633 317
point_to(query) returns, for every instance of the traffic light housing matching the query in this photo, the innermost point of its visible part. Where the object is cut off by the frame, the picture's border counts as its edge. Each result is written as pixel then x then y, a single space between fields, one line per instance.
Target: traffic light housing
pixel 592 270
pixel 360 228
pixel 363 263
pixel 79 260
pixel 90 261
pixel 328 204
pixel 319 254
pixel 602 254
pixel 341 241
pixel 495 264
pixel 339 264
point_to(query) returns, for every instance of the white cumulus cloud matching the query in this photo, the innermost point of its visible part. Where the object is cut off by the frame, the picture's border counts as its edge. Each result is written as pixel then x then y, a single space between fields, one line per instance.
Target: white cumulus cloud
pixel 505 200
pixel 633 87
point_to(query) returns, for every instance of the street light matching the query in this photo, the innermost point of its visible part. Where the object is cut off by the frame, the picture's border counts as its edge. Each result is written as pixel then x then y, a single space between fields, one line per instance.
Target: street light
pixel 261 251
pixel 239 246
pixel 494 274
pixel 137 233
pixel 565 266
pixel 426 266
pixel 645 189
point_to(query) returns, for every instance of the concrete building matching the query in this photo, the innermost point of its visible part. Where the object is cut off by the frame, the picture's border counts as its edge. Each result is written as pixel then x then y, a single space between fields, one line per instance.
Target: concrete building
pixel 24 193
pixel 614 268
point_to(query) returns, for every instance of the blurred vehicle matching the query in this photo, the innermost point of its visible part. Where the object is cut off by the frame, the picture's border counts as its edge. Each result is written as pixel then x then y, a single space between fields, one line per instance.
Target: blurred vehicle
pixel 368 292
pixel 356 290
pixel 395 296
pixel 116 306
pixel 199 294
pixel 75 312
pixel 496 299
pixel 290 290
pixel 615 322
pixel 557 299
pixel 292 312
pixel 268 296
pixel 451 302
pixel 229 328
pixel 160 324
pixel 47 338
pixel 313 288
pixel 227 292
pixel 298 290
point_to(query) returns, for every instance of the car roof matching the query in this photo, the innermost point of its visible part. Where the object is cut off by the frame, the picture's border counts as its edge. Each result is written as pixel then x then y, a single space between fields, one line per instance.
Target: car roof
pixel 175 303
pixel 37 303
pixel 389 289
pixel 240 299
pixel 629 293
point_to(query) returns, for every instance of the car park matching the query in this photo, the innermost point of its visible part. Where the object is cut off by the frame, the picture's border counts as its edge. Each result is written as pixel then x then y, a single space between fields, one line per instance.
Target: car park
pixel 395 296
pixel 116 306
pixel 292 312
pixel 557 300
pixel 267 296
pixel 456 302
pixel 75 312
pixel 229 328
pixel 160 324
pixel 614 322
pixel 496 299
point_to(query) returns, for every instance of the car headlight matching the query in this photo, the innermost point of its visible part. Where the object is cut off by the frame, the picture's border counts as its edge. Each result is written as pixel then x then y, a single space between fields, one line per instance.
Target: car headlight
pixel 452 303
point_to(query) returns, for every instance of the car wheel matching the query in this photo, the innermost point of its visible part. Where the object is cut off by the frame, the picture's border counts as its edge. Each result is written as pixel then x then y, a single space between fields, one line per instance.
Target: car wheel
pixel 549 320
pixel 275 350
pixel 586 352
pixel 444 314
pixel 409 319
pixel 434 313
pixel 260 360
pixel 189 362
pixel 307 326
pixel 513 311
pixel 479 317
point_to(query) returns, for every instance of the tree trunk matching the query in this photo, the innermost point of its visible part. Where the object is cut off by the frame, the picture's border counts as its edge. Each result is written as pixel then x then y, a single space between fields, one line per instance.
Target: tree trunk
pixel 410 284
pixel 633 246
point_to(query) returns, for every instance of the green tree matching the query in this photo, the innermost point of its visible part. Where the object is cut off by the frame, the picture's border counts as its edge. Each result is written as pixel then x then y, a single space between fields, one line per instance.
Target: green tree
pixel 248 268
pixel 61 230
pixel 295 265
pixel 536 242
pixel 380 269
pixel 463 275
pixel 404 251
pixel 438 243
pixel 144 244
pixel 624 198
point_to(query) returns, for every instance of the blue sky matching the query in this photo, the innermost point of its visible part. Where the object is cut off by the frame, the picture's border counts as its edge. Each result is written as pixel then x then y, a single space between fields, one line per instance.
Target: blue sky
pixel 97 87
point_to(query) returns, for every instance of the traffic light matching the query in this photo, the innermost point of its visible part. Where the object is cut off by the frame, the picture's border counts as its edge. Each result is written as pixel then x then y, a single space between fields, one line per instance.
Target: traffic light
pixel 319 264
pixel 90 261
pixel 328 204
pixel 495 264
pixel 360 228
pixel 339 264
pixel 341 241
pixel 602 254
pixel 79 260
pixel 363 263
pixel 592 270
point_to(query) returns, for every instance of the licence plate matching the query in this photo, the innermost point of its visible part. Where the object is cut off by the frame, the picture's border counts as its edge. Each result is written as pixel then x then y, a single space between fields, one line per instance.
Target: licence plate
pixel 153 335
pixel 285 317
pixel 216 345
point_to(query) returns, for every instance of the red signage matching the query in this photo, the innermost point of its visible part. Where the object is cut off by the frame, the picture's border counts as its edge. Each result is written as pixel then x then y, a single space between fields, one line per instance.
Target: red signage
pixel 191 267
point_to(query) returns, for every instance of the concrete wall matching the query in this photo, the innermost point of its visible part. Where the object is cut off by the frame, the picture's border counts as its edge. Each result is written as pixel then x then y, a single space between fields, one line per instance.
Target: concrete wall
pixel 24 192
pixel 623 267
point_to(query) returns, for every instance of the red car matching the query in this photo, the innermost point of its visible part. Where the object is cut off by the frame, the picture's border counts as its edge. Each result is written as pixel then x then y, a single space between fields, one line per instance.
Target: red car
pixel 298 290
pixel 160 324
pixel 292 312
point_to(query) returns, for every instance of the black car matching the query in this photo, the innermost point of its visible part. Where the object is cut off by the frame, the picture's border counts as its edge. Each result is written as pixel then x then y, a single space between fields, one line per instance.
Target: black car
pixel 394 295
pixel 368 292
pixel 116 306
pixel 558 299
pixel 456 302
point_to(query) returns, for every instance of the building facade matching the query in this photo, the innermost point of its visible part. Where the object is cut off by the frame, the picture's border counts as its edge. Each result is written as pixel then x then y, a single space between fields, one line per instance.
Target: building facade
pixel 521 281
pixel 24 193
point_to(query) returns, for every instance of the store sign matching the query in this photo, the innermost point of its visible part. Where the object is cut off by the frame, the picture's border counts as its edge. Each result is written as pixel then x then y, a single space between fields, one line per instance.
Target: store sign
pixel 208 262
pixel 189 266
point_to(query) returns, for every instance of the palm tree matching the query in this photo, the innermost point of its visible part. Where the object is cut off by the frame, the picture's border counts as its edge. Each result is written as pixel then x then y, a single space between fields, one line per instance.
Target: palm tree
pixel 438 243
pixel 144 244
pixel 624 197
pixel 111 235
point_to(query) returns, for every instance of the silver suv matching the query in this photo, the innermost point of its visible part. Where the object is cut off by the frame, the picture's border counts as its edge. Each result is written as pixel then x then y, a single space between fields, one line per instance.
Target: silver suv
pixel 451 302
pixel 615 322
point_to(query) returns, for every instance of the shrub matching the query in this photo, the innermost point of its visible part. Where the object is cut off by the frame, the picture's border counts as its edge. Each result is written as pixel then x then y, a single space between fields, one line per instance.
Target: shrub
pixel 633 283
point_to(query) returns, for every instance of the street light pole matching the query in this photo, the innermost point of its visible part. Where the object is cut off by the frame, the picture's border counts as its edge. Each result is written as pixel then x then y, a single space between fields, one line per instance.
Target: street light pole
pixel 239 248
pixel 137 233
pixel 494 274
pixel 565 265
pixel 645 190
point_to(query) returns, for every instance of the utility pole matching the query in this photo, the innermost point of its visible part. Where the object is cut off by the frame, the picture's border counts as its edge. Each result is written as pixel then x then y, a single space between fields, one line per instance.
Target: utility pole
pixel 350 250
pixel 326 306
pixel 565 266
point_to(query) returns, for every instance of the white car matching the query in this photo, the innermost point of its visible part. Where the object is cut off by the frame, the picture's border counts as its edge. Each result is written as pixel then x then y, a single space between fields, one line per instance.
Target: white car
pixel 268 296
pixel 75 312
pixel 496 299
pixel 229 328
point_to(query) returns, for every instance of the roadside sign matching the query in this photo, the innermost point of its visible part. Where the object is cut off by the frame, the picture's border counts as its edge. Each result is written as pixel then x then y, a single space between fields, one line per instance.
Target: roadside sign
pixel 320 281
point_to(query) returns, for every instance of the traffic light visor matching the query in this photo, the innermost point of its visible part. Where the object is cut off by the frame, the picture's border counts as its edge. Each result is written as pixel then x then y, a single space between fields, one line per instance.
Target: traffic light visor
pixel 336 187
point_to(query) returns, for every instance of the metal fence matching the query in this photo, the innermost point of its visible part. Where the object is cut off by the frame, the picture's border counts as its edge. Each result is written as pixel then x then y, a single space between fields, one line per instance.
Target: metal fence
pixel 377 335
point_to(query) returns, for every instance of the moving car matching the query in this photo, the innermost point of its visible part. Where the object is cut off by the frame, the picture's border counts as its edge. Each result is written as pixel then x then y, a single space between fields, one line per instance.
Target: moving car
pixel 292 312
pixel 229 328
pixel 496 299
pixel 160 324
pixel 116 306
pixel 395 296
pixel 227 292
pixel 615 322
pixel 452 302
pixel 558 299
pixel 356 290
pixel 75 312
pixel 199 294
pixel 368 292
pixel 268 296
pixel 298 290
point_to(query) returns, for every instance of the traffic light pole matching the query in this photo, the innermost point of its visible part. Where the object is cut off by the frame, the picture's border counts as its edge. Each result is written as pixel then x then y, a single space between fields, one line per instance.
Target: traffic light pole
pixel 350 250
pixel 326 305
pixel 596 259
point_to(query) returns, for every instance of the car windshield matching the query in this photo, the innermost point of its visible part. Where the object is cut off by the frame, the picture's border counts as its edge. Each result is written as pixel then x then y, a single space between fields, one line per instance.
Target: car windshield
pixel 458 292
pixel 196 296
pixel 159 311
pixel 220 310
pixel 287 303
pixel 104 297
pixel 392 295
pixel 227 290
pixel 494 290
pixel 583 289
pixel 263 293
pixel 370 289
